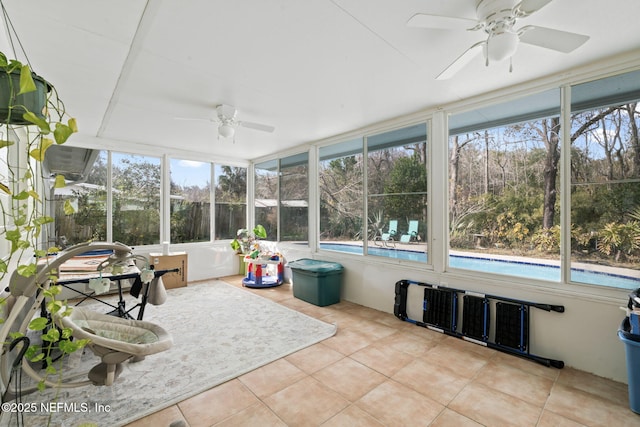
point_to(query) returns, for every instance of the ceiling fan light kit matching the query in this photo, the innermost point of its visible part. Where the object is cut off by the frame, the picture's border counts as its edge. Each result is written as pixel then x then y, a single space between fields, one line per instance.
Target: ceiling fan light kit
pixel 228 123
pixel 226 130
pixel 497 19
pixel 501 46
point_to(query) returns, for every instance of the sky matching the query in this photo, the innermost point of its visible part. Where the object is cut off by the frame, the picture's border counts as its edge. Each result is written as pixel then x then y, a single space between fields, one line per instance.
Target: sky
pixel 190 172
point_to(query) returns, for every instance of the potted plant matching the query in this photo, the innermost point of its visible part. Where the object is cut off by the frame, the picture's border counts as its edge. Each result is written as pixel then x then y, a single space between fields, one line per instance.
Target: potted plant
pixel 246 241
pixel 21 91
pixel 32 119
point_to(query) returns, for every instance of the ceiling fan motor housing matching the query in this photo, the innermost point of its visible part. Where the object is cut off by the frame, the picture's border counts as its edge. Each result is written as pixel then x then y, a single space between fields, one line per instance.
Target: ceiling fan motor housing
pixel 497 18
pixel 226 113
pixel 492 11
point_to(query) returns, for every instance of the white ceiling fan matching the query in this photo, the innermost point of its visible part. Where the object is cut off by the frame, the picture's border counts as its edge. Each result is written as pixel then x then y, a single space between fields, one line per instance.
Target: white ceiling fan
pixel 226 118
pixel 497 19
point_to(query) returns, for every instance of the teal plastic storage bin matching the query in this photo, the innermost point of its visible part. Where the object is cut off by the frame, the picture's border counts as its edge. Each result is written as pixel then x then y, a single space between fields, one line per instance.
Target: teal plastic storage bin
pixel 317 282
pixel 632 353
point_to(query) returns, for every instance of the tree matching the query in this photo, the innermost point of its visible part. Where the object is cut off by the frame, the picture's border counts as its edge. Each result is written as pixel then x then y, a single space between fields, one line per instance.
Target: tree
pixel 550 137
pixel 407 189
pixel 231 201
pixel 232 185
pixel 136 201
pixel 455 149
pixel 341 190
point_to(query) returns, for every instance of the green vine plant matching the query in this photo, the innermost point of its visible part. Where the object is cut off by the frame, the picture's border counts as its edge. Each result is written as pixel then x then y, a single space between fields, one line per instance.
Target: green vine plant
pixel 245 239
pixel 22 208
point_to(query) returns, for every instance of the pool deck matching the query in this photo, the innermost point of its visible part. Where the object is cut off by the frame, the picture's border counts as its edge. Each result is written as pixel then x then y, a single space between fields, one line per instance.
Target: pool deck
pixel 422 247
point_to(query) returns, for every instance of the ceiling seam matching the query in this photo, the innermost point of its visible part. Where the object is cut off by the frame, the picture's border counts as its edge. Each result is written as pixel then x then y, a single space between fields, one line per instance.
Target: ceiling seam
pixel 385 41
pixel 148 14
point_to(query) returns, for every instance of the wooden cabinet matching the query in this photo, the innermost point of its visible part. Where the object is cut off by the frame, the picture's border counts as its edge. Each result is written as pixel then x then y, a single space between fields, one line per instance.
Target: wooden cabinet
pixel 169 262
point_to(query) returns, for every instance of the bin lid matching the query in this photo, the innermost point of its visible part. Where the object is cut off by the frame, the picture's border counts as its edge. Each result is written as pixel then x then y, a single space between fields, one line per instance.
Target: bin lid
pixel 314 265
pixel 624 332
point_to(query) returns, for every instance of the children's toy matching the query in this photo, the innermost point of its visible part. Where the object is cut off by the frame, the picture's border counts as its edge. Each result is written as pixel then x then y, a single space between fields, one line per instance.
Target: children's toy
pixel 263 271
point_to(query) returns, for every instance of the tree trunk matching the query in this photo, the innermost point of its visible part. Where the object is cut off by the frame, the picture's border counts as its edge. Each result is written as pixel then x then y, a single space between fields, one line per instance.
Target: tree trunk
pixel 454 161
pixel 634 138
pixel 551 141
pixel 486 162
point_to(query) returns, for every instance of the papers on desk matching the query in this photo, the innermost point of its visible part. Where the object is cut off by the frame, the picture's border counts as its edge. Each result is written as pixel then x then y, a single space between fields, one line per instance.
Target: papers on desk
pixel 83 264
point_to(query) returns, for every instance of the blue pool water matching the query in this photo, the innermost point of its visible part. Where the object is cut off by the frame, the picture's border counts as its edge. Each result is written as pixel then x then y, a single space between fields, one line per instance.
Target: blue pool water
pixel 490 265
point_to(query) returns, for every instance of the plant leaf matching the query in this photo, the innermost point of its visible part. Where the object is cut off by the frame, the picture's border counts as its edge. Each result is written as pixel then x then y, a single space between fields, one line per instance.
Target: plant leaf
pixel 20 220
pixel 73 124
pixel 12 235
pixel 68 208
pixel 36 358
pixel 40 122
pixel 260 231
pixel 38 324
pixel 66 334
pixel 52 335
pixel 23 195
pixel 5 188
pixel 54 306
pixel 44 219
pixel 26 270
pixel 38 153
pixel 13 65
pixel 26 80
pixel 59 182
pixel 62 133
pixel 4 143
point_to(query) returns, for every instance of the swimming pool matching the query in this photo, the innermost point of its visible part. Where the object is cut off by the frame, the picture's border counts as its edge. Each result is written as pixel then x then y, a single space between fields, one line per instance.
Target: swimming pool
pixel 529 270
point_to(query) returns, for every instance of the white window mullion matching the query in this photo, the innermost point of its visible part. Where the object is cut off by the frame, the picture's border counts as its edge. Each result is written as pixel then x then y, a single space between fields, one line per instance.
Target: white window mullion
pixel 109 203
pixel 565 184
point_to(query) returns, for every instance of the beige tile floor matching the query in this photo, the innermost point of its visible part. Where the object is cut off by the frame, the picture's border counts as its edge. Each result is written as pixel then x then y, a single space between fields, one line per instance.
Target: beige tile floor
pixel 380 371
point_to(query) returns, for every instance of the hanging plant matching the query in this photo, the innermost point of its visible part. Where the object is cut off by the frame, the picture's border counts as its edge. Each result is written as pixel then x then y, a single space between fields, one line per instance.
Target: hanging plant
pixel 24 217
pixel 32 119
pixel 21 91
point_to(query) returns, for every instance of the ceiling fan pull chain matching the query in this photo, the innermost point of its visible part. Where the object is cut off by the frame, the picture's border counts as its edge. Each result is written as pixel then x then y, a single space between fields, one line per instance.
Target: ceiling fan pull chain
pixel 511 64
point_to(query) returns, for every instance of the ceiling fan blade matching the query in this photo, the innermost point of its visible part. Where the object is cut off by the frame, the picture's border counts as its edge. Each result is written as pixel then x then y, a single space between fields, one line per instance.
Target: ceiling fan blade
pixel 527 7
pixel 461 61
pixel 195 119
pixel 424 20
pixel 562 41
pixel 257 126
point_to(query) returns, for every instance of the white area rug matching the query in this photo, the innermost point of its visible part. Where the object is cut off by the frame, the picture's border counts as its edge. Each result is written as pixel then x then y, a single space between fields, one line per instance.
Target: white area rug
pixel 219 333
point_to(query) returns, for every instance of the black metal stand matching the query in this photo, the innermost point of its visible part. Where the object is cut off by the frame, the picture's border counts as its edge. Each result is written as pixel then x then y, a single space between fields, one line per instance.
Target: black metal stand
pixel 440 313
pixel 119 309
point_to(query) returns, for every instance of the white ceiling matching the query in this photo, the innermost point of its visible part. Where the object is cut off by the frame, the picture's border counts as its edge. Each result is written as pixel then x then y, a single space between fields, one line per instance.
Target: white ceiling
pixel 312 69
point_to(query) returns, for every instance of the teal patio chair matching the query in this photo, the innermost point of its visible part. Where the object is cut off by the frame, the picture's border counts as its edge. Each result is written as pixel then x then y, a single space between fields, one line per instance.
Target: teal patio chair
pixel 388 237
pixel 412 233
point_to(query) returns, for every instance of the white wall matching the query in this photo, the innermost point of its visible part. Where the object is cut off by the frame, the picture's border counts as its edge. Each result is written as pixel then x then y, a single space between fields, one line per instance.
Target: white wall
pixel 584 336
pixel 205 260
